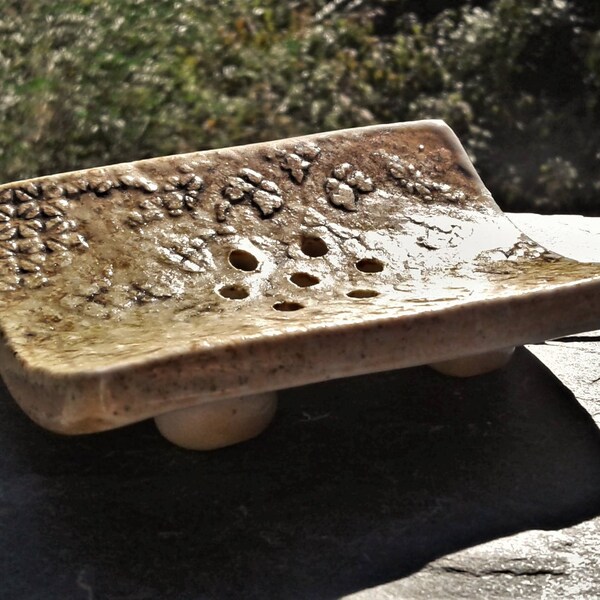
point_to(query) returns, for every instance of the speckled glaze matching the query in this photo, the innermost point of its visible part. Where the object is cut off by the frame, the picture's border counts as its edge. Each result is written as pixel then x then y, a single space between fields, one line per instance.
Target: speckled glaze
pixel 141 288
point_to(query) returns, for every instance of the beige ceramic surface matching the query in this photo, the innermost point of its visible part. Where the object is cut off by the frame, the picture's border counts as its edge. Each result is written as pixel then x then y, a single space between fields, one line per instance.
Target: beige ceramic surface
pixel 142 288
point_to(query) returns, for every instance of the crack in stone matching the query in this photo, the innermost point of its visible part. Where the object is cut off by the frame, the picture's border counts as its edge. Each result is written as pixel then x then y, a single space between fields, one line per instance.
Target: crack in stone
pixel 578 338
pixel 511 572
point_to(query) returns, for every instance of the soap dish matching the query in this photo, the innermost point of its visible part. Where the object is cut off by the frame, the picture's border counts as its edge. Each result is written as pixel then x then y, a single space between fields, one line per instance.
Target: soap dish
pixel 191 288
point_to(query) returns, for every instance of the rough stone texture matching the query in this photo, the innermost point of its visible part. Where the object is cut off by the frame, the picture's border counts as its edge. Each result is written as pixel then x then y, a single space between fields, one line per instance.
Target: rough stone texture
pixel 403 484
pixel 533 564
pixel 136 289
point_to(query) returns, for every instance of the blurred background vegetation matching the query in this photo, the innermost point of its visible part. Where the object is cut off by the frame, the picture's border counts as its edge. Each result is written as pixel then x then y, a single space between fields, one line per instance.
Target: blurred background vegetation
pixel 91 82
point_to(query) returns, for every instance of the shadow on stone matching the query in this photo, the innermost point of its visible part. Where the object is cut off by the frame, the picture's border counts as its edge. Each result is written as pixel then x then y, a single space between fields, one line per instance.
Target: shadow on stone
pixel 360 481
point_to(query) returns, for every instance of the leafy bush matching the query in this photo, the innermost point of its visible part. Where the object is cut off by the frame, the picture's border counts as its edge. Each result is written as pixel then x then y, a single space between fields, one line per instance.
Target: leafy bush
pixel 88 82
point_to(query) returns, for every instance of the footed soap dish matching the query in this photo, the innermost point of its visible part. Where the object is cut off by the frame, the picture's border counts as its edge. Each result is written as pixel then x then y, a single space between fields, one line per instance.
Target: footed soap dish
pixel 190 288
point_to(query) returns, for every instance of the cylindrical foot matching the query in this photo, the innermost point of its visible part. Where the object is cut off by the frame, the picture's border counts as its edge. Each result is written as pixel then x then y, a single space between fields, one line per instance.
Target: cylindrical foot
pixel 477 364
pixel 218 424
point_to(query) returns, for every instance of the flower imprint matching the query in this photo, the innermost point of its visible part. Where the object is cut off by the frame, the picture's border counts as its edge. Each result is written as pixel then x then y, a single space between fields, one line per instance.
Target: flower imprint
pixel 413 181
pixel 31 227
pixel 182 194
pixel 297 163
pixel 345 186
pixel 251 185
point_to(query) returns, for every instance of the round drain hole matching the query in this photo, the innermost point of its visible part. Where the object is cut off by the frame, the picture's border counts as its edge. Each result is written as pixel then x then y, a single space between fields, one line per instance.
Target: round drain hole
pixel 287 306
pixel 304 279
pixel 362 294
pixel 313 246
pixel 234 292
pixel 242 260
pixel 369 265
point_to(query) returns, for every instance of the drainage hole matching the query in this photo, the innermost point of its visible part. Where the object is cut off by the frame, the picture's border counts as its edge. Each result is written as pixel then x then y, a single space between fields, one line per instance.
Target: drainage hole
pixel 369 265
pixel 287 306
pixel 362 294
pixel 242 260
pixel 234 292
pixel 313 246
pixel 304 279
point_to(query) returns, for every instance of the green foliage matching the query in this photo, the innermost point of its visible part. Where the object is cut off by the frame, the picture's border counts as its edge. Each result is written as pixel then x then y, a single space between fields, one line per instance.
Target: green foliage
pixel 90 82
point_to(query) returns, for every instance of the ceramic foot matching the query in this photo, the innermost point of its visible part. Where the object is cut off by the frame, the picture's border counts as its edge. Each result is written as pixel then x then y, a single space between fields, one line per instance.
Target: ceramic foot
pixel 477 364
pixel 218 424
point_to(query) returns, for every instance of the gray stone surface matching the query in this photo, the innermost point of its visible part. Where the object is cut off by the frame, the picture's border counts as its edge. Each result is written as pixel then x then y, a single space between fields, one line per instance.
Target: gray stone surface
pixel 532 564
pixel 562 563
pixel 403 484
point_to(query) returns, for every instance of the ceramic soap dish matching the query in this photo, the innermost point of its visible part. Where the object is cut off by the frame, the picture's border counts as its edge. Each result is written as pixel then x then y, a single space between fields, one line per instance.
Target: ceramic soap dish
pixel 191 288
